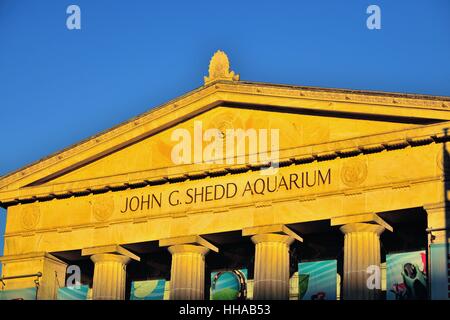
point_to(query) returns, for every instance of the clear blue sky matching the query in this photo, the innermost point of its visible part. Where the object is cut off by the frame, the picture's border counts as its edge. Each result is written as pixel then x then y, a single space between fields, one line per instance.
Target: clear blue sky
pixel 59 86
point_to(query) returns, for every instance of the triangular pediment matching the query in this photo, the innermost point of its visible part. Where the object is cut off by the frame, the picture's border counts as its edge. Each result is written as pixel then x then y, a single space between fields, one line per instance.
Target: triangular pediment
pixel 294 129
pixel 305 117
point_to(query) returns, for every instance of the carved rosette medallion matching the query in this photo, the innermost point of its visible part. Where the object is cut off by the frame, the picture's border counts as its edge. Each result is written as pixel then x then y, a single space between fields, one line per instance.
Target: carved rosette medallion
pixel 102 208
pixel 223 126
pixel 30 216
pixel 225 121
pixel 354 172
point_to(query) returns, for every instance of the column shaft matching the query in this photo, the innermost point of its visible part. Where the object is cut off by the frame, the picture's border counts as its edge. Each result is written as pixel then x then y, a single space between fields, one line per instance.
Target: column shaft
pixel 361 250
pixel 187 281
pixel 271 275
pixel 109 276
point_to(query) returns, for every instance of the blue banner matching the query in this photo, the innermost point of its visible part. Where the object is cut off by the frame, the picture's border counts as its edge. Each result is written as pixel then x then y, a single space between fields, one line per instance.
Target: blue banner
pixel 73 293
pixel 439 271
pixel 19 294
pixel 148 290
pixel 317 280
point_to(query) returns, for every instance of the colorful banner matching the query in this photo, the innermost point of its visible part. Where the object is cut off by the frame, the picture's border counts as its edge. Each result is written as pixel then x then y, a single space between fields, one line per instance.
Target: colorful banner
pixel 439 271
pixel 317 280
pixel 18 294
pixel 73 293
pixel 406 276
pixel 229 285
pixel 148 290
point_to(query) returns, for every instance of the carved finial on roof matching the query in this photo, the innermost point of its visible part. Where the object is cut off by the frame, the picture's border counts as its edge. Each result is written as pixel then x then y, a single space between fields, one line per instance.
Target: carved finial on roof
pixel 219 68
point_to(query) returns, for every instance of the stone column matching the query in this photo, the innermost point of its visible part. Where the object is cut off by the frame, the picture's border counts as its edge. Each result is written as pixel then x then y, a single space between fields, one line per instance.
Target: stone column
pixel 110 263
pixel 109 276
pixel 361 250
pixel 271 274
pixel 187 281
pixel 187 275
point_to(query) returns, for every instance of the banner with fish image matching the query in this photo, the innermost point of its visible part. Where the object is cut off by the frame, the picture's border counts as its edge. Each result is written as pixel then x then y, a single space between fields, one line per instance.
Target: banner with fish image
pixel 229 285
pixel 148 289
pixel 73 293
pixel 19 294
pixel 317 280
pixel 406 276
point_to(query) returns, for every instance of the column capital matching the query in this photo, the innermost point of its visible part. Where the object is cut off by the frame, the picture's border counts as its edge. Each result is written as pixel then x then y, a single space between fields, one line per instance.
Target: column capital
pixel 109 257
pixel 273 229
pixel 188 248
pixel 366 218
pixel 272 237
pixel 362 227
pixel 113 249
pixel 188 240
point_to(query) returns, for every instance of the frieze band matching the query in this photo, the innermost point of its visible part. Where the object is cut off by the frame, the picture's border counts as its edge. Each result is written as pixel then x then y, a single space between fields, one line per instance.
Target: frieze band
pixel 215 192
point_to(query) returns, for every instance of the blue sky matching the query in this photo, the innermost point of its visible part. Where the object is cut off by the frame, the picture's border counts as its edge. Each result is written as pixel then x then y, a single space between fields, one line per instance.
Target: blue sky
pixel 58 86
